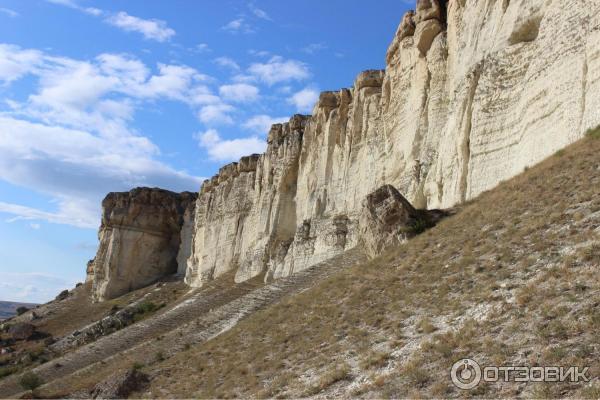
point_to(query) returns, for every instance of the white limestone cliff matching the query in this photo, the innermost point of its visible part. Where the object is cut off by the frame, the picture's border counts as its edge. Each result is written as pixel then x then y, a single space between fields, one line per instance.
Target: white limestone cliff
pixel 140 240
pixel 474 91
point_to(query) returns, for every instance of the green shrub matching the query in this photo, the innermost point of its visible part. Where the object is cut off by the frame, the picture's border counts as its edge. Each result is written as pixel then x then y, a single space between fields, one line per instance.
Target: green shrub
pixel 593 133
pixel 146 307
pixel 30 381
pixel 22 310
pixel 6 371
pixel 137 366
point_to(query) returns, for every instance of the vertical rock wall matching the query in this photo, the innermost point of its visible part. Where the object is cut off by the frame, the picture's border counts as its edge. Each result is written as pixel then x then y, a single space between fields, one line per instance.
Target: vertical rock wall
pixel 140 240
pixel 474 91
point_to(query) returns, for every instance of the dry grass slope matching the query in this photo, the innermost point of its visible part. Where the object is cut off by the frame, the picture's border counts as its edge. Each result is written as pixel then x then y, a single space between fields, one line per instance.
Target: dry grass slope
pixel 513 278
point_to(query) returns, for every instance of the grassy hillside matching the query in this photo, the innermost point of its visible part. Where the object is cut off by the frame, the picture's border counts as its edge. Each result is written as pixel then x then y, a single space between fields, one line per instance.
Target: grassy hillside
pixel 512 279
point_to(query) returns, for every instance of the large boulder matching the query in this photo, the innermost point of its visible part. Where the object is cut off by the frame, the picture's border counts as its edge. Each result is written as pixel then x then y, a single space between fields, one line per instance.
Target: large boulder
pixel 21 331
pixel 387 219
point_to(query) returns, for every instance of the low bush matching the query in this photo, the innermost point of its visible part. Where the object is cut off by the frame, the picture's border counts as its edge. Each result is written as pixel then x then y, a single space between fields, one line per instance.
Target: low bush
pixel 30 381
pixel 22 310
pixel 594 133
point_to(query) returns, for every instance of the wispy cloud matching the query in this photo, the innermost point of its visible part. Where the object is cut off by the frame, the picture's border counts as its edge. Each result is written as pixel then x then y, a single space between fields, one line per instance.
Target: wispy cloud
pixel 261 124
pixel 305 99
pixel 222 150
pixel 227 63
pixel 259 13
pixel 96 12
pixel 153 29
pixel 239 93
pixel 202 48
pixel 216 114
pixel 9 12
pixel 238 25
pixel 314 48
pixel 278 70
pixel 32 287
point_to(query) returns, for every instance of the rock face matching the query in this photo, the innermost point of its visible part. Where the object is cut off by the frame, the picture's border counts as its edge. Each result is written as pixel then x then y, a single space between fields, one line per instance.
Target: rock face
pixel 140 239
pixel 473 92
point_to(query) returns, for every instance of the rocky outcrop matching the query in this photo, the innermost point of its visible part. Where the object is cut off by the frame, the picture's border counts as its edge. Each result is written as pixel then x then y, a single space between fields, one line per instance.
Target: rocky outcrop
pixel 140 239
pixel 245 213
pixel 120 385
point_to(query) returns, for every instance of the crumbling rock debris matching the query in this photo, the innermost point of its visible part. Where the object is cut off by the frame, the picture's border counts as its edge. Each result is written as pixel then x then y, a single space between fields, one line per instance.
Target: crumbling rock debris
pixel 120 385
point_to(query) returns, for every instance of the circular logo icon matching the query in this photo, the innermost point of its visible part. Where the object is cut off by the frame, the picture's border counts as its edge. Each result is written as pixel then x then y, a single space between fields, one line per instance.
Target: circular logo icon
pixel 465 374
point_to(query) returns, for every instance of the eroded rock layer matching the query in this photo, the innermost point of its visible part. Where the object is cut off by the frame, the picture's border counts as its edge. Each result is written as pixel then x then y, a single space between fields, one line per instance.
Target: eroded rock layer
pixel 140 239
pixel 473 92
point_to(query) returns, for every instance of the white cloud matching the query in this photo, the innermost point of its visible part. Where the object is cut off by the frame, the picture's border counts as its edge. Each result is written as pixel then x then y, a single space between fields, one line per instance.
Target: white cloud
pixel 278 70
pixel 71 138
pixel 9 12
pixel 259 53
pixel 66 3
pixel 238 25
pixel 32 287
pixel 15 63
pixel 305 99
pixel 261 124
pixel 227 62
pixel 96 12
pixel 153 29
pixel 222 150
pixel 214 114
pixel 259 13
pixel 239 92
pixel 314 48
pixel 78 168
pixel 202 48
pixel 35 227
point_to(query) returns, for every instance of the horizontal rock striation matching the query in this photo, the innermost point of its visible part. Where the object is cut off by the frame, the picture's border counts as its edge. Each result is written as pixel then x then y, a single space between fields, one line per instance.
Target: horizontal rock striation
pixel 140 239
pixel 473 92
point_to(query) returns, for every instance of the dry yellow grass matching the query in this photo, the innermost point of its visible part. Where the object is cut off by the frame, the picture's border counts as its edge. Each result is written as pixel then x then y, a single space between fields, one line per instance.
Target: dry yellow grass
pixel 513 277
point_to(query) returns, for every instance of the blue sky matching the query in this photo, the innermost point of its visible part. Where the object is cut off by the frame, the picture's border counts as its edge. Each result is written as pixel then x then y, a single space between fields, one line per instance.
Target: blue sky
pixel 99 96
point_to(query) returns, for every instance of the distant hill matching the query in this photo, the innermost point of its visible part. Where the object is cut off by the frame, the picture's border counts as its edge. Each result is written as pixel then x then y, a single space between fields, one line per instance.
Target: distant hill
pixel 8 308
